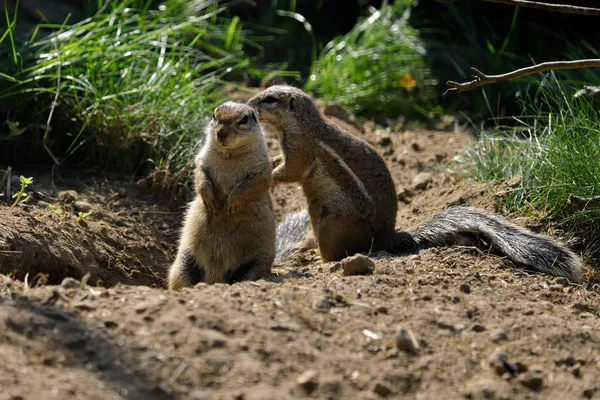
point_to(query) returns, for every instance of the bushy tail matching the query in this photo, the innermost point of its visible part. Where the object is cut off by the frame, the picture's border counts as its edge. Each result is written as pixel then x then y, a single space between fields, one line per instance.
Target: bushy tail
pixel 463 225
pixel 292 234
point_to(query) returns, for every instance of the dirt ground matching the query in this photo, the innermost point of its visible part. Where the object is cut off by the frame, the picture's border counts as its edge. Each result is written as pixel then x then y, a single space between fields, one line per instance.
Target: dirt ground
pixel 444 323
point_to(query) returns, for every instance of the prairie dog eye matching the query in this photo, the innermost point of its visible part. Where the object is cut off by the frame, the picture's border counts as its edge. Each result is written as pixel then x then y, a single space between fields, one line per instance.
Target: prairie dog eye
pixel 244 120
pixel 270 100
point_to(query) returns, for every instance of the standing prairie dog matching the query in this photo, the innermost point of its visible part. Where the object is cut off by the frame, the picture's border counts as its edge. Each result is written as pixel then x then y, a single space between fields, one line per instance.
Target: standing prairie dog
pixel 229 229
pixel 352 198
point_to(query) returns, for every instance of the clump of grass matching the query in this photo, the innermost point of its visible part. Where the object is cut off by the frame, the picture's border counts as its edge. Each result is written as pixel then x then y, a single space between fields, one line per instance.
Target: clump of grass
pixel 130 85
pixel 551 152
pixel 378 69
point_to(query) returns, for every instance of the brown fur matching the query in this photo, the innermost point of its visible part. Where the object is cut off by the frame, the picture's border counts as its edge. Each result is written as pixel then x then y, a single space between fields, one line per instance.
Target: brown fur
pixel 229 229
pixel 350 192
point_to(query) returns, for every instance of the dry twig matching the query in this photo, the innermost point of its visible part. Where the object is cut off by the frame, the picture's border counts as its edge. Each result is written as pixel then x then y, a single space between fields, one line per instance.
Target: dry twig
pixel 563 8
pixel 581 203
pixel 481 79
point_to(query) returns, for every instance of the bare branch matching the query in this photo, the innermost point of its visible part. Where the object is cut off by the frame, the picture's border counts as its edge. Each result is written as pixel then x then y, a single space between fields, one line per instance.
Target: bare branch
pixel 581 203
pixel 482 79
pixel 563 8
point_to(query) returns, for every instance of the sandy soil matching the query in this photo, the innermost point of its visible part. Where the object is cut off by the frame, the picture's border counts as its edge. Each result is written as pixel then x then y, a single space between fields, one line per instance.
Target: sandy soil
pixel 444 323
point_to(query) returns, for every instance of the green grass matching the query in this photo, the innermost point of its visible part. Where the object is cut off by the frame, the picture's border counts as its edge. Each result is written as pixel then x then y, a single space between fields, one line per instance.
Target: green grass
pixel 552 151
pixel 378 69
pixel 127 89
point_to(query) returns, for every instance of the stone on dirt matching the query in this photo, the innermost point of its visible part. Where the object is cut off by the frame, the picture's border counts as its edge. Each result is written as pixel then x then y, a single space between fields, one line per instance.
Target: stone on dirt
pixel 357 265
pixel 308 381
pixel 68 196
pixel 70 283
pixel 422 180
pixel 406 341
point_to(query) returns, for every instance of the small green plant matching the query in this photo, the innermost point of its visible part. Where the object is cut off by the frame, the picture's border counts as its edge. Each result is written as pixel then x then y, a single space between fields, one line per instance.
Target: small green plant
pixel 21 194
pixel 81 216
pixel 60 212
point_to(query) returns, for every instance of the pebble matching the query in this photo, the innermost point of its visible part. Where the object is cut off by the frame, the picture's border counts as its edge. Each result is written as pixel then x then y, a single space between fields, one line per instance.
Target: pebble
pixel 498 335
pixel 200 395
pixel 384 140
pixel 465 288
pixel 111 324
pixel 322 303
pixel 68 196
pixel 478 328
pixel 85 306
pixel 211 338
pixel 406 341
pixel 357 265
pixel 422 180
pixel 500 364
pixel 70 283
pixel 308 381
pixel 335 267
pixel 382 390
pixel 533 379
pixel 43 204
pixel 404 195
pixel 82 206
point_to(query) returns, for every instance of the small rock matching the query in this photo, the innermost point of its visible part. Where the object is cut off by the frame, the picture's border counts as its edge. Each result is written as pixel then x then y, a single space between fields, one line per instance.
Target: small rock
pixel 85 306
pixel 478 328
pixel 111 324
pixel 590 392
pixel 82 206
pixel 465 288
pixel 70 283
pixel 308 381
pixel 211 338
pixel 200 395
pixel 122 192
pixel 43 204
pixel 555 288
pixel 357 265
pixel 500 364
pixel 382 390
pixel 68 196
pixel 422 180
pixel 498 335
pixel 322 304
pixel 406 341
pixel 384 140
pixel 404 195
pixel 335 267
pixel 533 379
pixel 415 146
pixel 382 310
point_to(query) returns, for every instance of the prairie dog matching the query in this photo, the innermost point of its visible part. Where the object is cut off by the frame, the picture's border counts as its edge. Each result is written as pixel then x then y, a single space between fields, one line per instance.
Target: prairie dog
pixel 352 198
pixel 229 228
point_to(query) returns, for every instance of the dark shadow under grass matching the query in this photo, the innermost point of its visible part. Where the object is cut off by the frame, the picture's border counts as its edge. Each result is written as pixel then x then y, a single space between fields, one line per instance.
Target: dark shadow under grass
pixel 127 89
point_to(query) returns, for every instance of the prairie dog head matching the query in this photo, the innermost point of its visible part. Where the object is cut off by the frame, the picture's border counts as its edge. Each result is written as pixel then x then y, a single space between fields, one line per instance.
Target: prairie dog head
pixel 283 108
pixel 234 126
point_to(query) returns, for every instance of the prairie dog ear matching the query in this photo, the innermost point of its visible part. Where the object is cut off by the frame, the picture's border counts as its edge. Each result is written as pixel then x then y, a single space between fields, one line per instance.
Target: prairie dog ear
pixel 292 103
